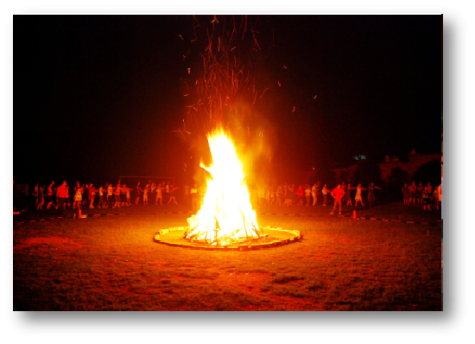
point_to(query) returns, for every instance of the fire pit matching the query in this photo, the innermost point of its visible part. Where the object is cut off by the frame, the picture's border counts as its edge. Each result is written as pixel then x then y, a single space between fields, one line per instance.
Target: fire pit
pixel 226 219
pixel 271 237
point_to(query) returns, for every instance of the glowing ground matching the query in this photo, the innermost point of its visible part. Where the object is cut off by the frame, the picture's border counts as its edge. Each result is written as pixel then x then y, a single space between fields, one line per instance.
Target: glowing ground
pixel 112 263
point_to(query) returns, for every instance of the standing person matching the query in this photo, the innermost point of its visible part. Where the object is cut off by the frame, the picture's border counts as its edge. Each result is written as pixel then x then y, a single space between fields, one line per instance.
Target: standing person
pixel 337 193
pixel 308 193
pixel 62 196
pixel 425 199
pixel 288 195
pixel 36 193
pixel 429 189
pixel 194 198
pixel 172 194
pixel 101 197
pixel 152 190
pixel 405 194
pixel 325 192
pixel 138 193
pixel 371 197
pixel 117 196
pixel 419 194
pixel 78 186
pixel 145 194
pixel 159 194
pixel 41 198
pixel 110 196
pixel 314 194
pixel 347 197
pixel 358 197
pixel 412 193
pixel 92 195
pixel 78 199
pixel 127 195
pixel 49 195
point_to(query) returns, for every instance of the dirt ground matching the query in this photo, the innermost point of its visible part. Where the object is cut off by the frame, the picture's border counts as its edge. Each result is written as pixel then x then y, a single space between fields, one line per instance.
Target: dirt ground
pixel 112 263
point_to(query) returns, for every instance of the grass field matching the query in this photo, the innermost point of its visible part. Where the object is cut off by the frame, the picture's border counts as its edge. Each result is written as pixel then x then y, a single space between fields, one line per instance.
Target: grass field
pixel 112 263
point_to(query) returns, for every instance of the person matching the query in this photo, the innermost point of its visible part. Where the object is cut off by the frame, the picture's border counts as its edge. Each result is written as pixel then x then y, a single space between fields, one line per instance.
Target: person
pixel 138 193
pixel 62 196
pixel 425 199
pixel 92 195
pixel 159 194
pixel 41 198
pixel 117 196
pixel 325 192
pixel 49 195
pixel 308 194
pixel 78 197
pixel 419 194
pixel 314 194
pixel 289 196
pixel 172 194
pixel 347 198
pixel 358 197
pixel 405 194
pixel 127 195
pixel 337 193
pixel 145 194
pixel 371 197
pixel 412 193
pixel 300 195
pixel 36 193
pixel 194 198
pixel 110 195
pixel 101 197
pixel 78 186
pixel 429 189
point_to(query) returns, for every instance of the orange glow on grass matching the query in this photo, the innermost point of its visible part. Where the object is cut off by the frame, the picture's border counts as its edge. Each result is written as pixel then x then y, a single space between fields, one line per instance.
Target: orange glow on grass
pixel 226 215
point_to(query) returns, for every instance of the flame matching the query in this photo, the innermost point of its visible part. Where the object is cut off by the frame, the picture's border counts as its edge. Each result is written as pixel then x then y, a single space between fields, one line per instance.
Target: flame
pixel 226 215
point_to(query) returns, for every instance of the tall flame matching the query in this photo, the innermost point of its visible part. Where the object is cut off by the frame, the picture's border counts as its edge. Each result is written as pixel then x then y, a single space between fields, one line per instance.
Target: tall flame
pixel 226 215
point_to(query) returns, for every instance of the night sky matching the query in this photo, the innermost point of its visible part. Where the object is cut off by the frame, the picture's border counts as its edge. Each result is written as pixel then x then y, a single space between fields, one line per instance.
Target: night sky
pixel 96 97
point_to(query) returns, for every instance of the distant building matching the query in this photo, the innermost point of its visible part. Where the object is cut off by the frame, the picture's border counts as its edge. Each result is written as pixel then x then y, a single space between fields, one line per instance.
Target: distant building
pixel 415 161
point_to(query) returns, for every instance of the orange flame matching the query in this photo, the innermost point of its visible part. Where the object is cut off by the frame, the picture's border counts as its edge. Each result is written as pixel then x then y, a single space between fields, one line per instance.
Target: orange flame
pixel 226 215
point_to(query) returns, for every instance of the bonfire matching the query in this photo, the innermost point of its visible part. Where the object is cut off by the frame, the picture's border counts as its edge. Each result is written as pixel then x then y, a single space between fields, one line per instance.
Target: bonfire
pixel 226 215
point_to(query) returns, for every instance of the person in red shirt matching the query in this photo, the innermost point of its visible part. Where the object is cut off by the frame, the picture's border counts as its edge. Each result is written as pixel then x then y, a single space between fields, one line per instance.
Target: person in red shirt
pixel 337 193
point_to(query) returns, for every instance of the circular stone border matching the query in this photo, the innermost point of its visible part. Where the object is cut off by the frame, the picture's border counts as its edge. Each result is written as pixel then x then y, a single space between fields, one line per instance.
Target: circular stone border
pixel 275 236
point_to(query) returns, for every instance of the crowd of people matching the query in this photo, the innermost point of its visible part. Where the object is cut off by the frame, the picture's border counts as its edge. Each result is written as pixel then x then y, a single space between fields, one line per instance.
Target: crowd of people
pixel 425 196
pixel 42 197
pixel 160 193
pixel 289 194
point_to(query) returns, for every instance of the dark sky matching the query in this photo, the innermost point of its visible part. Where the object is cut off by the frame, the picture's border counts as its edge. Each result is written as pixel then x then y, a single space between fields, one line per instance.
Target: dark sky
pixel 96 97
